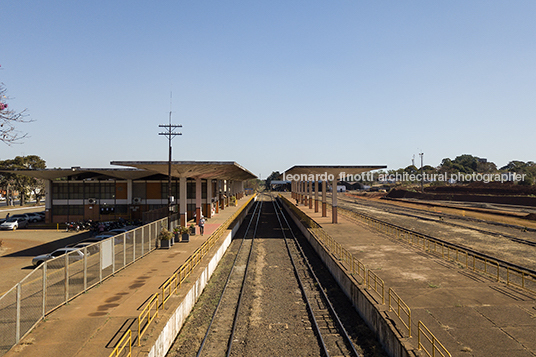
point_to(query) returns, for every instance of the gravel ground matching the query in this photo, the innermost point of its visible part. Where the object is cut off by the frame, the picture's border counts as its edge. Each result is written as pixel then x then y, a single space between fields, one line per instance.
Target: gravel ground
pixel 273 319
pixel 486 237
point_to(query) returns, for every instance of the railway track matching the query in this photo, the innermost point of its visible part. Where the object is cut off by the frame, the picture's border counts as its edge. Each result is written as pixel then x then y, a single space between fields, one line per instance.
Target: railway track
pixel 446 219
pixel 492 257
pixel 332 336
pixel 274 302
pixel 219 336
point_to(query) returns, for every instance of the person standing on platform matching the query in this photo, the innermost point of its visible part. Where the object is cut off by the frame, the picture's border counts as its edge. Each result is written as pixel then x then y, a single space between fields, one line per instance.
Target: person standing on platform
pixel 202 225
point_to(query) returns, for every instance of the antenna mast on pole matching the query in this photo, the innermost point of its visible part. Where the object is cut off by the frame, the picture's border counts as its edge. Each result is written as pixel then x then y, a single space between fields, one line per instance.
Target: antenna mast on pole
pixel 170 134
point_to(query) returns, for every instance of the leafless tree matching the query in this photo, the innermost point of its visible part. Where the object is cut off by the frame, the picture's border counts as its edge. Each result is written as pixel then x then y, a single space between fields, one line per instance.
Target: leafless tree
pixel 9 118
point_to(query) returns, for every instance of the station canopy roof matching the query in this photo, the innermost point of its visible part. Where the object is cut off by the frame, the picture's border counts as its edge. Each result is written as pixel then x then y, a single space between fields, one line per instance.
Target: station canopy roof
pixel 223 170
pixel 336 170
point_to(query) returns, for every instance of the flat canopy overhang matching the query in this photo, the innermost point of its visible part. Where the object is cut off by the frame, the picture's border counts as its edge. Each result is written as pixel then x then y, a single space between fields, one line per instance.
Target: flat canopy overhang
pixel 215 170
pixel 53 174
pixel 335 171
pixel 223 170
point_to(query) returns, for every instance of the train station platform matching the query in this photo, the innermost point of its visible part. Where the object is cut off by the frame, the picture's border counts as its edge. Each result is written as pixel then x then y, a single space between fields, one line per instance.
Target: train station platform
pixel 92 324
pixel 470 313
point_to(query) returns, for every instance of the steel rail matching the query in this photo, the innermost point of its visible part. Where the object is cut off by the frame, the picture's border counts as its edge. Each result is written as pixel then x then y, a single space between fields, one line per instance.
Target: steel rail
pixel 200 350
pixel 454 245
pixel 421 214
pixel 332 311
pixel 239 303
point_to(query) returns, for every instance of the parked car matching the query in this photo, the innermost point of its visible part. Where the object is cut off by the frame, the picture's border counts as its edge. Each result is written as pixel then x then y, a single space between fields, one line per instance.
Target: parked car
pixel 75 255
pixel 91 247
pixel 14 223
pixel 34 217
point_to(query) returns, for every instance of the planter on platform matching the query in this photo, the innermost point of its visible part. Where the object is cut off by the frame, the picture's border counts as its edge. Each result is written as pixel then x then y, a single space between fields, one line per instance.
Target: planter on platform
pixel 165 237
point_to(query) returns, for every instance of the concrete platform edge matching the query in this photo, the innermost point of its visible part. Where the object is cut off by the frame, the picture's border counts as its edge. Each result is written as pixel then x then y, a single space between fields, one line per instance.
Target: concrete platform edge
pixel 394 344
pixel 173 326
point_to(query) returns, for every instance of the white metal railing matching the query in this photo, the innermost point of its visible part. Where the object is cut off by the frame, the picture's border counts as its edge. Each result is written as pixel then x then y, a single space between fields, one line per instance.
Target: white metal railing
pixel 61 279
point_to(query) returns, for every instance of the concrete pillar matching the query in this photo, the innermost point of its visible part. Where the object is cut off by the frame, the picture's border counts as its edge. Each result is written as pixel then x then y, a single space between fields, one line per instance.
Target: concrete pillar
pixel 198 211
pixel 48 201
pixel 303 192
pixel 182 201
pixel 334 201
pixel 129 191
pixel 218 195
pixel 324 199
pixel 316 196
pixel 208 214
pixel 310 194
pixel 229 190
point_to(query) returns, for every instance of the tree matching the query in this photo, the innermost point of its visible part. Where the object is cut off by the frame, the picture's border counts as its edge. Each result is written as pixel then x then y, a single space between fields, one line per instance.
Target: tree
pixel 23 184
pixel 8 120
pixel 273 176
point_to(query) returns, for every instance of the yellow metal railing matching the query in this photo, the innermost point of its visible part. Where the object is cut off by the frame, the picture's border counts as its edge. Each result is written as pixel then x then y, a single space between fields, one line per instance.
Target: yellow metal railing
pixel 427 339
pixel 146 315
pixel 173 283
pixel 401 309
pixel 521 279
pixel 125 342
pixel 376 283
pixel 470 260
pixel 373 281
pixel 169 288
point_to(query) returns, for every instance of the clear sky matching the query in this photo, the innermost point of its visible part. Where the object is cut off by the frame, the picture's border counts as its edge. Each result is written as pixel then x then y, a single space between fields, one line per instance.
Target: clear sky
pixel 272 84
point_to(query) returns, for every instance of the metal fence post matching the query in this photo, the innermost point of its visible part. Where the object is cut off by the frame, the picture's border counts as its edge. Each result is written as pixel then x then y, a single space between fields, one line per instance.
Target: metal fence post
pixel 124 249
pixel 66 277
pixel 133 245
pixel 100 262
pixel 85 268
pixel 142 241
pixel 17 323
pixel 113 256
pixel 44 268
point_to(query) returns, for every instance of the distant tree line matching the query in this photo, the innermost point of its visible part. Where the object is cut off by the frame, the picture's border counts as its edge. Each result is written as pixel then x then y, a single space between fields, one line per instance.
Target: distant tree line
pixel 468 164
pixel 464 164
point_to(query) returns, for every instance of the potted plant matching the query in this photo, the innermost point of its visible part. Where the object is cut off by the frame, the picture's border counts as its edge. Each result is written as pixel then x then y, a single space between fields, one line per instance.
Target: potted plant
pixel 185 237
pixel 192 229
pixel 176 233
pixel 165 237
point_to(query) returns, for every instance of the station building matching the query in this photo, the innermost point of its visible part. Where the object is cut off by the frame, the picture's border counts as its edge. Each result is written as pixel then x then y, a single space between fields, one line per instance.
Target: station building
pixel 140 190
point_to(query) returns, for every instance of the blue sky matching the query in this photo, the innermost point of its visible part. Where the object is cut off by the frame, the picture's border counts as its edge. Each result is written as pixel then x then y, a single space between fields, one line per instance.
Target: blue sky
pixel 271 84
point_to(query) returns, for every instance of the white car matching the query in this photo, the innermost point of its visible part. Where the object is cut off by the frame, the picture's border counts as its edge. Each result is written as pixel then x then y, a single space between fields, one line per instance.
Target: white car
pixel 75 255
pixel 14 223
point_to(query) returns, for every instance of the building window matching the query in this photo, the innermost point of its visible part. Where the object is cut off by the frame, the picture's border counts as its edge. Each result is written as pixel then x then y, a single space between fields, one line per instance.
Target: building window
pixel 174 189
pixel 76 190
pixel 71 210
pixel 190 189
pixel 107 190
pixel 60 191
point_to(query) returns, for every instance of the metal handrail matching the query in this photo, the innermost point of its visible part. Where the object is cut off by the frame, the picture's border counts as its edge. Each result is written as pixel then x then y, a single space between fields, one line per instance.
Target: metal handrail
pixel 436 346
pixel 447 251
pixel 182 273
pixel 378 286
pixel 401 306
pixel 146 313
pixel 378 283
pixel 125 341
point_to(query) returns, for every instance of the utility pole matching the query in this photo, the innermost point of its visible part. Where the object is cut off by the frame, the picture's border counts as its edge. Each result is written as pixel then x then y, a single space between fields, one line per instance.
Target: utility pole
pixel 421 154
pixel 170 134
